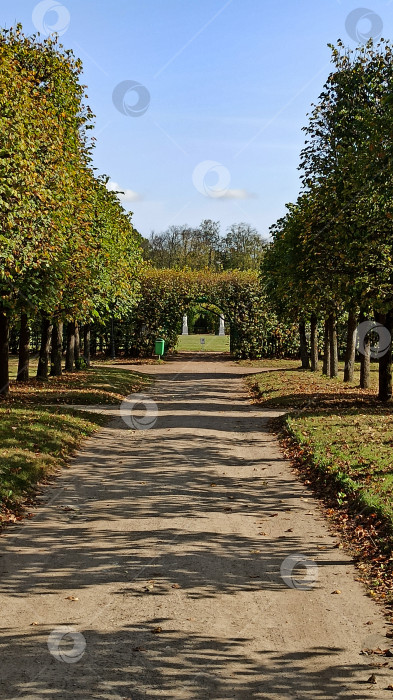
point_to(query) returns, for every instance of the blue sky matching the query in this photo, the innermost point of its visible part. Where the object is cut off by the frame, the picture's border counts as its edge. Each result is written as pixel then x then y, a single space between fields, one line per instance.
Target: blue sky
pixel 226 87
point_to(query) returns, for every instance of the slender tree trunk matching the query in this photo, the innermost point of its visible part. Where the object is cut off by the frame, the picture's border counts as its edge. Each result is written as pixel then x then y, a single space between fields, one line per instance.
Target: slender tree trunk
pixel 77 348
pixel 365 365
pixel 385 360
pixel 349 368
pixel 303 345
pixel 126 343
pixel 112 348
pixel 43 360
pixel 4 353
pixel 57 349
pixel 86 343
pixel 333 346
pixel 70 349
pixel 24 350
pixel 93 341
pixel 82 339
pixel 314 343
pixel 326 349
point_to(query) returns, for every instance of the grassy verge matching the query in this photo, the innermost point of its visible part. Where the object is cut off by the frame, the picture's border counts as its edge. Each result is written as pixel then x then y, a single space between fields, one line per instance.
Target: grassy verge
pixel 340 439
pixel 38 432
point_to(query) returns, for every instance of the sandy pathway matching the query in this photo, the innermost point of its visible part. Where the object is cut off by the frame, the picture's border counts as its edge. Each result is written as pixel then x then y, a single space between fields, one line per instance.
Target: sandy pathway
pixel 172 540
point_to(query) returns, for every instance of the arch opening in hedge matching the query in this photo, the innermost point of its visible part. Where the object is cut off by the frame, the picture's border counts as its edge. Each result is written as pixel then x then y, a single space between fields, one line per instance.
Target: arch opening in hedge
pixel 166 295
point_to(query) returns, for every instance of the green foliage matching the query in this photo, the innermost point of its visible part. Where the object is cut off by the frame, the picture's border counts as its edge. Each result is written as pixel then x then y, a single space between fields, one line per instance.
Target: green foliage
pixel 348 174
pixel 333 250
pixel 168 294
pixel 68 250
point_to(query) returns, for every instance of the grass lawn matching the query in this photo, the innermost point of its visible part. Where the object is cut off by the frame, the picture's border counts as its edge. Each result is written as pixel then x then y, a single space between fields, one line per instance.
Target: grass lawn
pixel 213 343
pixel 38 433
pixel 341 438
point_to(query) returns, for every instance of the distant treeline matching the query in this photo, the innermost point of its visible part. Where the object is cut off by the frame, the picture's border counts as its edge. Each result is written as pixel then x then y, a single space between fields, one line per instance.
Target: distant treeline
pixel 241 248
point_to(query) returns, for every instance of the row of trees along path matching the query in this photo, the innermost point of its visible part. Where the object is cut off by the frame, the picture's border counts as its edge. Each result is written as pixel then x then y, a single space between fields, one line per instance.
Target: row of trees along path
pixel 332 251
pixel 68 249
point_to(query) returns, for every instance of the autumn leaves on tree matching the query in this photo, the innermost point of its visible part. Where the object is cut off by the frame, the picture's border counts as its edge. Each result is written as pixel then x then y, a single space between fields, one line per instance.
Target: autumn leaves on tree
pixel 68 249
pixel 332 253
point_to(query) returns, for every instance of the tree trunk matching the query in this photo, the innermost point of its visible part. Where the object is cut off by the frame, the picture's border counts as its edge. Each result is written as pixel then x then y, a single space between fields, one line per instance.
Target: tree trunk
pixel 112 348
pixel 314 343
pixel 333 346
pixel 93 341
pixel 303 345
pixel 326 349
pixel 86 343
pixel 126 343
pixel 385 360
pixel 70 349
pixel 57 349
pixel 365 365
pixel 43 360
pixel 4 371
pixel 77 348
pixel 349 368
pixel 24 350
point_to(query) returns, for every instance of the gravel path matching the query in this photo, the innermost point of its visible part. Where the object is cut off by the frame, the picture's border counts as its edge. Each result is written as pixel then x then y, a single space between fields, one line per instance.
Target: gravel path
pixel 159 565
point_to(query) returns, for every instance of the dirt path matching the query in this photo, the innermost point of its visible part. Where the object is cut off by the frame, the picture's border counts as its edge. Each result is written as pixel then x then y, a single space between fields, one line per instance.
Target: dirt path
pixel 172 539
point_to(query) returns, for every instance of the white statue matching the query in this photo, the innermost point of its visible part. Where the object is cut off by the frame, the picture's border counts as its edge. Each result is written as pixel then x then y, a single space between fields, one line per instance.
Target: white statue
pixel 221 330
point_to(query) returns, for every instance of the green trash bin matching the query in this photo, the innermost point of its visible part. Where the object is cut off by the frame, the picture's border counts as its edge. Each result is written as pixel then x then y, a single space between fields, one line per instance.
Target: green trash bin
pixel 159 346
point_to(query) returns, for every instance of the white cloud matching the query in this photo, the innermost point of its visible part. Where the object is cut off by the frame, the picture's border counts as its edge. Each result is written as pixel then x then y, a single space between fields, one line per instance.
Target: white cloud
pixel 125 195
pixel 237 194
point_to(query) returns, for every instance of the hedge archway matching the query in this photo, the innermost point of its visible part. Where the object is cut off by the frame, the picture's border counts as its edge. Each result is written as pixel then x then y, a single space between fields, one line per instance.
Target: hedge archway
pixel 167 294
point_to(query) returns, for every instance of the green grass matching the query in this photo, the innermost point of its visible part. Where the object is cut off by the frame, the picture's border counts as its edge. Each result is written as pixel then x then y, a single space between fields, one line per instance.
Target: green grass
pixel 13 366
pixel 341 437
pixel 266 363
pixel 213 343
pixel 284 384
pixel 345 428
pixel 38 432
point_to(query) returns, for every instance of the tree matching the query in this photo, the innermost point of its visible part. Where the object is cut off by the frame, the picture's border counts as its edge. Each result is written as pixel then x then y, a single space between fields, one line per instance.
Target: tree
pixel 69 251
pixel 42 143
pixel 242 248
pixel 347 174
